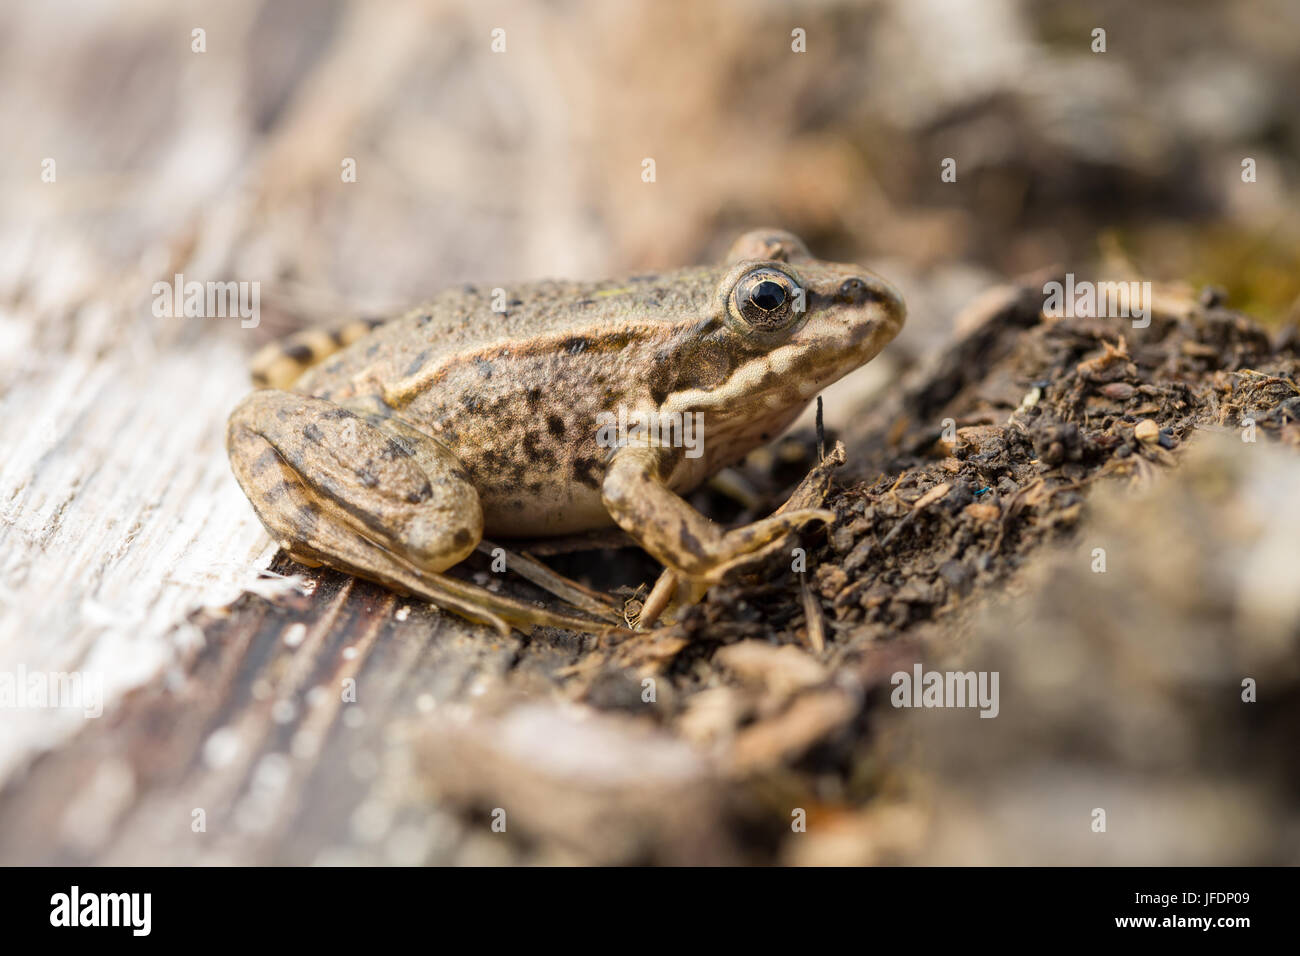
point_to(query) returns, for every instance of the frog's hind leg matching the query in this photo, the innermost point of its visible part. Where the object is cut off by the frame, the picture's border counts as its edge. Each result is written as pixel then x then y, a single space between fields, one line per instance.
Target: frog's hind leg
pixel 529 568
pixel 280 364
pixel 385 503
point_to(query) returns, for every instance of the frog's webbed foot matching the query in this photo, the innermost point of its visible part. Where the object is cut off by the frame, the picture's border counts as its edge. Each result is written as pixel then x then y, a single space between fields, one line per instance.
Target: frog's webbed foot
pixel 386 503
pixel 695 552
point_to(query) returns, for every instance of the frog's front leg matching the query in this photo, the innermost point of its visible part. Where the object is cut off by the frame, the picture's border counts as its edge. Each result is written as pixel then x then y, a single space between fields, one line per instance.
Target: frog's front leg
pixel 370 496
pixel 686 542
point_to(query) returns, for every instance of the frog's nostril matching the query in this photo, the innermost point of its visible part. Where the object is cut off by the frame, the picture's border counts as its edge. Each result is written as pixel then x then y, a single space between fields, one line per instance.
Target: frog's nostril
pixel 860 292
pixel 853 291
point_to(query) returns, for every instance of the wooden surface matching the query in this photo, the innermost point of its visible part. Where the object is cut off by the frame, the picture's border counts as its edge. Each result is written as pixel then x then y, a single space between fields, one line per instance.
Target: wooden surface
pixel 118 515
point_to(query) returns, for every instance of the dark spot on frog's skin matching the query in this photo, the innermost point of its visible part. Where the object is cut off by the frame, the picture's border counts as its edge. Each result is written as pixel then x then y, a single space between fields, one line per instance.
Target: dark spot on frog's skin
pixel 394 449
pixel 461 539
pixel 618 340
pixel 299 353
pixel 418 362
pixel 421 495
pixel 535 453
pixel 334 414
pixel 367 477
pixel 688 541
pixel 471 403
pixel 575 345
pixel 585 302
pixel 587 472
pixel 275 492
pixel 333 368
pixel 312 434
pixel 815 301
pixel 515 302
pixel 555 425
pixel 659 380
pixel 264 461
pixel 485 368
pixel 469 289
pixel 533 396
pixel 505 472
pixel 308 516
pixel 426 318
pixel 374 348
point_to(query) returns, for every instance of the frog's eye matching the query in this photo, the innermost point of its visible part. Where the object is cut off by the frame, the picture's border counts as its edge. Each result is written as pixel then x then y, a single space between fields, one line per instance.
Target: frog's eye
pixel 766 299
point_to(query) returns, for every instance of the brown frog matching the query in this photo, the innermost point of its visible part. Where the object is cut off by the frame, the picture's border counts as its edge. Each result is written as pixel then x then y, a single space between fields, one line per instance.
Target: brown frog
pixel 388 449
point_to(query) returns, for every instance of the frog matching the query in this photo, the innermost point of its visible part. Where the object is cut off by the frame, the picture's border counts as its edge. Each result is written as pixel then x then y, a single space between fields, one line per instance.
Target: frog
pixel 389 449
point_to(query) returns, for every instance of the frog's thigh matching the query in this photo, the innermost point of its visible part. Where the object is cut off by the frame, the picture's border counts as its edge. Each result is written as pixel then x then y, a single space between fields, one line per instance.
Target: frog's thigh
pixel 670 529
pixel 330 485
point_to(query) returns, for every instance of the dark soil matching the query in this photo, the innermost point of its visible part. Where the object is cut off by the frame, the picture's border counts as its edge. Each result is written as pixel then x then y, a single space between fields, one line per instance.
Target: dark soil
pixel 1037 410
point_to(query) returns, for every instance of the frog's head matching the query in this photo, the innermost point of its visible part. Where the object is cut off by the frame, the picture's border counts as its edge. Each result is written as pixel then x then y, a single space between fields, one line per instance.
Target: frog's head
pixel 782 327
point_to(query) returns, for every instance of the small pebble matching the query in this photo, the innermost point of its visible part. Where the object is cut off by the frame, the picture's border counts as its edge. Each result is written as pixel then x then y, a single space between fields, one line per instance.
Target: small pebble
pixel 983 511
pixel 1146 431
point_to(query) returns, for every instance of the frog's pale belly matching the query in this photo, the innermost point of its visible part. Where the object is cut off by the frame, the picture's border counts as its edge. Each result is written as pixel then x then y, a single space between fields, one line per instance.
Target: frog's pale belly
pixel 556 509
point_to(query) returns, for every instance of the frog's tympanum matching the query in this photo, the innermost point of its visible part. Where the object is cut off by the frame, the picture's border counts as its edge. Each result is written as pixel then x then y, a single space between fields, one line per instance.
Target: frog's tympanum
pixel 388 449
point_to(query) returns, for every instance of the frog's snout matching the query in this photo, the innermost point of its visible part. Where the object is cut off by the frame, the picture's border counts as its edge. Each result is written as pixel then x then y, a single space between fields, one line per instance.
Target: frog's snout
pixel 873 309
pixel 883 296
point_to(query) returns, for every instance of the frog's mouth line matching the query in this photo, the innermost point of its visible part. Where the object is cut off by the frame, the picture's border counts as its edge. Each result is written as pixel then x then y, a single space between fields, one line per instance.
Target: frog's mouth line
pixel 792 373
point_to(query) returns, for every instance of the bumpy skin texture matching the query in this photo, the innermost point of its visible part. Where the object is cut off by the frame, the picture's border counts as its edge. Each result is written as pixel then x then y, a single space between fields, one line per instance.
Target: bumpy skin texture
pixel 455 418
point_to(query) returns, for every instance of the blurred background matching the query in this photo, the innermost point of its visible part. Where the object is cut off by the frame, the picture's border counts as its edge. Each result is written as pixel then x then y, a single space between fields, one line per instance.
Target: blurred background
pixel 474 164
pixel 152 137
